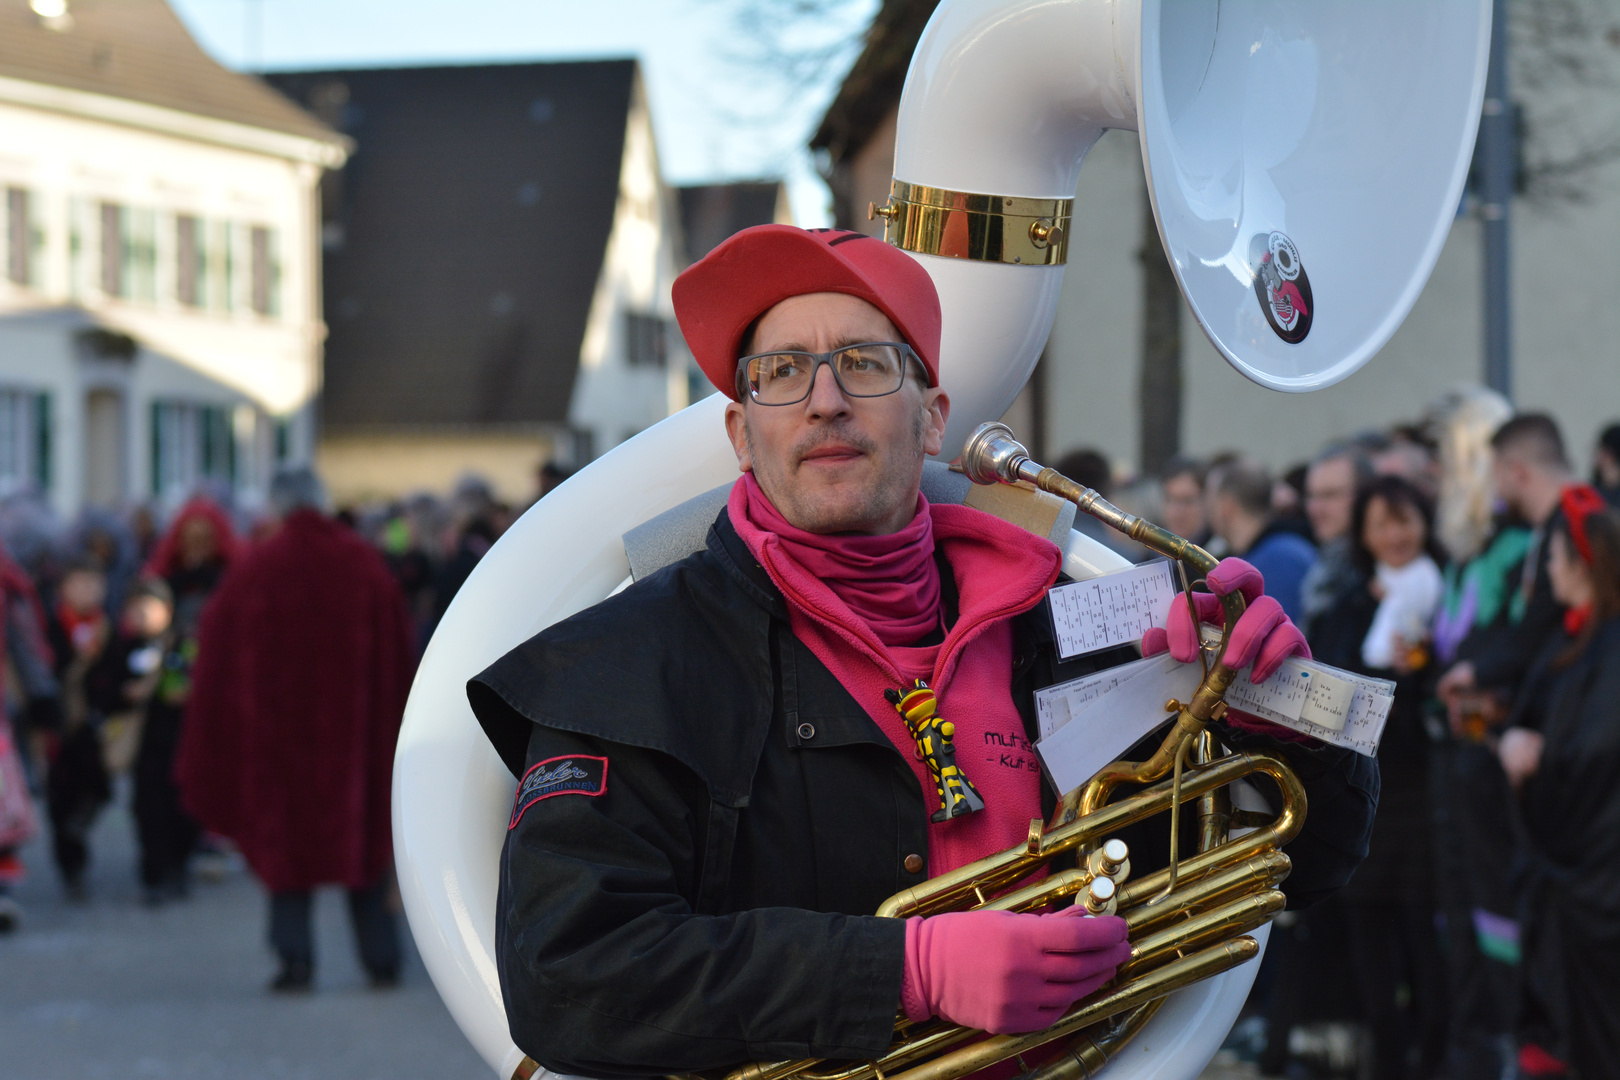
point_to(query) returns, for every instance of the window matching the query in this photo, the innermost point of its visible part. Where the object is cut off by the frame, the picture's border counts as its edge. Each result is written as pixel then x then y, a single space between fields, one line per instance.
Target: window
pixel 264 272
pixel 646 340
pixel 191 443
pixel 139 249
pixel 114 281
pixel 25 441
pixel 25 239
pixel 284 440
pixel 191 253
pixel 230 256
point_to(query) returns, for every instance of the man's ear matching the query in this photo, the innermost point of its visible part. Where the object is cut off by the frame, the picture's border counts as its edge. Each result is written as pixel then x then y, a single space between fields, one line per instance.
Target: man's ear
pixel 937 406
pixel 737 432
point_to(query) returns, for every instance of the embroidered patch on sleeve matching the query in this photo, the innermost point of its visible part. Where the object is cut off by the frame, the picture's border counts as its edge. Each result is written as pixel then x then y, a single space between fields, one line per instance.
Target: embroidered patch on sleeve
pixel 576 774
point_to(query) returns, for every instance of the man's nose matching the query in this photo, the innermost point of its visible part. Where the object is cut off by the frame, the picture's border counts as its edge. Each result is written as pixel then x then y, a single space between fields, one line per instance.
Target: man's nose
pixel 826 397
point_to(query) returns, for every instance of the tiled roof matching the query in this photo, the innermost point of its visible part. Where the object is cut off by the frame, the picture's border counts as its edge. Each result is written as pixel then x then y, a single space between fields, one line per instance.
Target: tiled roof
pixel 465 236
pixel 712 212
pixel 140 51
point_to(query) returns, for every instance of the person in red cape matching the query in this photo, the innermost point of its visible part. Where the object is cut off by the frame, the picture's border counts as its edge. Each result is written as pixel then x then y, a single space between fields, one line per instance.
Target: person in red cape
pixel 303 665
pixel 191 558
pixel 716 786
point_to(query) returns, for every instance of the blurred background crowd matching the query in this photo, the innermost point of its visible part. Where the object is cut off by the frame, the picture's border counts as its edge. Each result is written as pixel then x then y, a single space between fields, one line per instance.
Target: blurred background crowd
pixel 1458 555
pixel 427 253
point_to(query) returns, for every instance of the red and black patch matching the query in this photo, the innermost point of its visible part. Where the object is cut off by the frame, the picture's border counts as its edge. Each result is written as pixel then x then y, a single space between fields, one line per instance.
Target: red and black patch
pixel 574 774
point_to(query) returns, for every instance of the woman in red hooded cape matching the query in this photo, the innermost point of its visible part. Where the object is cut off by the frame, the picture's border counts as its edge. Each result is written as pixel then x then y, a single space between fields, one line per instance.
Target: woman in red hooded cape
pixel 303 667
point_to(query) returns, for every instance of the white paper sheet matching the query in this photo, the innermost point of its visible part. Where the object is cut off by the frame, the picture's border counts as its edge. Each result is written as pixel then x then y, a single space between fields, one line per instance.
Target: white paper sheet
pixel 1105 720
pixel 1309 697
pixel 1113 609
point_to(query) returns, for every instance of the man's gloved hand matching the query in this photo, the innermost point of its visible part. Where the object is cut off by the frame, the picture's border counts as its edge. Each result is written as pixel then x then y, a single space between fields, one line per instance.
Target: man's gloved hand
pixel 1264 634
pixel 1004 972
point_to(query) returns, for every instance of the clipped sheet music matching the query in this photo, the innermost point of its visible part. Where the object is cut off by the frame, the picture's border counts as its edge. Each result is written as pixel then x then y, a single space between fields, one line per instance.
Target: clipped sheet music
pixel 1090 721
pixel 1113 609
pixel 1087 722
pixel 1326 703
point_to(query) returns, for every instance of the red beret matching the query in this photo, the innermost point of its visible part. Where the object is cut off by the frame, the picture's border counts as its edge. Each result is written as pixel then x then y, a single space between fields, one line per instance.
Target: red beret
pixel 718 297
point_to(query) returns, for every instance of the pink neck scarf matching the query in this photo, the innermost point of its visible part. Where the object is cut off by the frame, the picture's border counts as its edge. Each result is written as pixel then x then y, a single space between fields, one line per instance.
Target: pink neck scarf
pixel 890 582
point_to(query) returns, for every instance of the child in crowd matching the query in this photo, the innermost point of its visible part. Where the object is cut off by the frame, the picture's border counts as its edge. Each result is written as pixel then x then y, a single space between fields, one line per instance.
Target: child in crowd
pixel 77 785
pixel 122 685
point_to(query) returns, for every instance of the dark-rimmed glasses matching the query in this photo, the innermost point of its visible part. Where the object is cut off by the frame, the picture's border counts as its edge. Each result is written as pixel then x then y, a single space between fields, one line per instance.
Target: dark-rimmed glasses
pixel 864 370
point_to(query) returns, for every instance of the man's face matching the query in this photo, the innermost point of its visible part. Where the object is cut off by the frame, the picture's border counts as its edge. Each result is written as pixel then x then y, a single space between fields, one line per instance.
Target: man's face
pixel 833 463
pixel 1184 506
pixel 1510 476
pixel 1330 495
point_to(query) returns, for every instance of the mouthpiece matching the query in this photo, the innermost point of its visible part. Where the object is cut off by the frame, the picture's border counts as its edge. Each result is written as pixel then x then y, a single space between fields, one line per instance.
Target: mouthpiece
pixel 993 456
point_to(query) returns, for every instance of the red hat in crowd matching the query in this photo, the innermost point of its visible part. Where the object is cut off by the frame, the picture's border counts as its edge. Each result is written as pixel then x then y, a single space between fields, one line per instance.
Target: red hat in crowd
pixel 1579 502
pixel 718 297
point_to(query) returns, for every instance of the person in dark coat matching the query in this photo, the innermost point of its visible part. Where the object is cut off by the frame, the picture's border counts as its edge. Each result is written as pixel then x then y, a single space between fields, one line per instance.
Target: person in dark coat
pixel 1473 819
pixel 1562 757
pixel 192 557
pixel 716 788
pixel 304 660
pixel 1606 464
pixel 1379 627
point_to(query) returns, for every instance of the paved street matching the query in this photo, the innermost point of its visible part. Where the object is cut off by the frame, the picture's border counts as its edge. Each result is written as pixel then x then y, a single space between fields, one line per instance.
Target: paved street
pixel 112 989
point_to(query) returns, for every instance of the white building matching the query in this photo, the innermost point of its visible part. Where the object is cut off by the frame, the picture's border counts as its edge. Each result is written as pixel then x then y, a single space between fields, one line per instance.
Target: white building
pixel 160 319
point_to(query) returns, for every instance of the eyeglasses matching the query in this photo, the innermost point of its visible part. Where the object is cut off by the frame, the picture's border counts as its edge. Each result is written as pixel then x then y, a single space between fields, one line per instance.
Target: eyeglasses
pixel 869 369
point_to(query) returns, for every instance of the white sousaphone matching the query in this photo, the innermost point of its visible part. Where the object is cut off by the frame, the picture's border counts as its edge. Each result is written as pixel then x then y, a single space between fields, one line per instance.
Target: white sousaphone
pixel 1304 160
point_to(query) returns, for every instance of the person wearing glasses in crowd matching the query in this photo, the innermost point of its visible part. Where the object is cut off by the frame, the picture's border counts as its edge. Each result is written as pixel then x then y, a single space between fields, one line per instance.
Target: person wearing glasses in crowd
pixel 715 790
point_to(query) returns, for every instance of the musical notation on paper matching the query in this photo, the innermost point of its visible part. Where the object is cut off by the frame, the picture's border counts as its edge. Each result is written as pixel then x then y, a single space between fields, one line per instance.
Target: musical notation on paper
pixel 1111 610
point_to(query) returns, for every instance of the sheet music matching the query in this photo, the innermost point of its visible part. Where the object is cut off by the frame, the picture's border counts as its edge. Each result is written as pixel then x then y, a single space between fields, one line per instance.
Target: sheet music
pixel 1113 609
pixel 1106 714
pixel 1310 697
pixel 1056 705
pixel 1087 722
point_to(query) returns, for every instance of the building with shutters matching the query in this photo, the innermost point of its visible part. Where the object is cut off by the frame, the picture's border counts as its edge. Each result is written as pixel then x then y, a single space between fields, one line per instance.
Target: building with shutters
pixel 160 309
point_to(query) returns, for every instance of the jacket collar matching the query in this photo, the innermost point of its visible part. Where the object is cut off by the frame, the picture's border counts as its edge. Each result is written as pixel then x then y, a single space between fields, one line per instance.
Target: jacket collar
pixel 740 565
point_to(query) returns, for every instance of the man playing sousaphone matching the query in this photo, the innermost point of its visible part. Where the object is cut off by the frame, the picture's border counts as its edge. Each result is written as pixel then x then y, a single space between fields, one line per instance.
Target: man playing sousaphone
pixel 722 767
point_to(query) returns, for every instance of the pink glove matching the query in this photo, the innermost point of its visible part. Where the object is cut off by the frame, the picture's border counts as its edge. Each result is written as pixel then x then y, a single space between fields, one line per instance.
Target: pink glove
pixel 1003 972
pixel 1264 635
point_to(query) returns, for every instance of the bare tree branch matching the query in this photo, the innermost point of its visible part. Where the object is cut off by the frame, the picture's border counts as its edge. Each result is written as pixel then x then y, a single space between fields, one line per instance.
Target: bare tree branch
pixel 1566 77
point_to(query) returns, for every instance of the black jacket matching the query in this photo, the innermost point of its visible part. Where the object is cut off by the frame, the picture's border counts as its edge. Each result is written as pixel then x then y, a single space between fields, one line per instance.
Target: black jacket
pixel 1503 651
pixel 705 897
pixel 1399 862
pixel 1569 860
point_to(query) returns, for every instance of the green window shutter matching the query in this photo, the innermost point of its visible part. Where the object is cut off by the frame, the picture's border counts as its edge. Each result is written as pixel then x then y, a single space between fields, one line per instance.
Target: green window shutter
pixel 157 448
pixel 42 441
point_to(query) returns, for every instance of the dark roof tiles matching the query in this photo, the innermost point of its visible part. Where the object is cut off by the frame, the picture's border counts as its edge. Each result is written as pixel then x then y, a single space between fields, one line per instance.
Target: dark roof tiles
pixel 465 237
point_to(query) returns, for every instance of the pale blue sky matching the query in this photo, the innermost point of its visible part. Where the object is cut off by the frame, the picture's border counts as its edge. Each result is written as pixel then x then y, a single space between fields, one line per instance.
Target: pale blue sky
pixel 721 110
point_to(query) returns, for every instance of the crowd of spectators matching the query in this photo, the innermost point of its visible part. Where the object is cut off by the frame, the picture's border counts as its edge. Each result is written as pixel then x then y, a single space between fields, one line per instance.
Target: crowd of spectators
pixel 1461 558
pixel 1458 556
pixel 100 632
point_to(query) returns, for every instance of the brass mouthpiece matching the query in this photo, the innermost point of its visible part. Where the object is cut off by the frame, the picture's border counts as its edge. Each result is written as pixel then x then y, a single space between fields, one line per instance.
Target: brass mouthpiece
pixel 993 456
